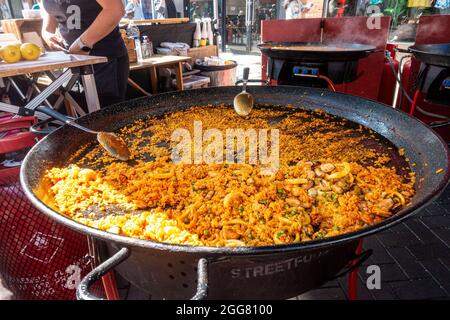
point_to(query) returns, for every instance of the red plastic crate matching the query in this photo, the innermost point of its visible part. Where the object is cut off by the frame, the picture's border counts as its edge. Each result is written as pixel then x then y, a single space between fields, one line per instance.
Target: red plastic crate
pixel 39 259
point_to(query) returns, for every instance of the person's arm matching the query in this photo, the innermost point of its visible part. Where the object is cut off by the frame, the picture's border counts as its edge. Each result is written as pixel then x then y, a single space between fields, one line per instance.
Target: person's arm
pixel 106 21
pixel 49 26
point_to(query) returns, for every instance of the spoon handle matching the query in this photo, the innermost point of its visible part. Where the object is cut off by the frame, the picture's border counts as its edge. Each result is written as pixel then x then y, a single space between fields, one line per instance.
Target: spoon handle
pixel 58 116
pixel 245 79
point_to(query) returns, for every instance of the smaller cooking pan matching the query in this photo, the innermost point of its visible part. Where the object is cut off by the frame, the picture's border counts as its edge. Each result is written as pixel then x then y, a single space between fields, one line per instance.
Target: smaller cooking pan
pixel 316 51
pixel 433 54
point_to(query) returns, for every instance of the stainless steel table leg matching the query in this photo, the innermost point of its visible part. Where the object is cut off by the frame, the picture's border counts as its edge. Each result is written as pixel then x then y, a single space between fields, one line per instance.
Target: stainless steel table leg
pixel 90 89
pixel 33 104
pixel 65 90
pixel 41 97
pixel 17 89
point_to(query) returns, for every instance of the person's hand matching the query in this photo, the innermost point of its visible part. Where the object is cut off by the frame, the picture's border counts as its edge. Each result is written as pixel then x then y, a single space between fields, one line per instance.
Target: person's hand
pixel 53 41
pixel 75 49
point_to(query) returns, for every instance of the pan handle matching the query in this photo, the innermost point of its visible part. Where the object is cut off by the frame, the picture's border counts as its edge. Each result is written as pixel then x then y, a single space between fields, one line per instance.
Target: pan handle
pixel 355 264
pixel 92 277
pixel 123 254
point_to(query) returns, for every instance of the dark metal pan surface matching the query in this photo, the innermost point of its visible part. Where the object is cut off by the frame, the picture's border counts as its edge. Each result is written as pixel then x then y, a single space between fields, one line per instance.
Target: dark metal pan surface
pixel 423 147
pixel 433 54
pixel 315 51
pixel 271 272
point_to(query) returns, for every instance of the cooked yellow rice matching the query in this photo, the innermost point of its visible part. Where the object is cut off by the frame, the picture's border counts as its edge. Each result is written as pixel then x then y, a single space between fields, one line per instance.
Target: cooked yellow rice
pixel 329 182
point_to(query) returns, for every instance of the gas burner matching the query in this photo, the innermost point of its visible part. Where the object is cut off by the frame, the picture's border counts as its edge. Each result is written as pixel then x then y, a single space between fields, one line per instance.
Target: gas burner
pixel 434 75
pixel 434 82
pixel 313 64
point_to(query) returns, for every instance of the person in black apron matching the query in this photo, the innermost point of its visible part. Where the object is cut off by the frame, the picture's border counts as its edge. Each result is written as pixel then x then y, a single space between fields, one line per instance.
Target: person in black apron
pixel 91 27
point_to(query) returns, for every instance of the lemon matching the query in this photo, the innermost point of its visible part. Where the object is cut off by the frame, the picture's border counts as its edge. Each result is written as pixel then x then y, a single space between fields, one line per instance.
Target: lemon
pixel 10 54
pixel 30 51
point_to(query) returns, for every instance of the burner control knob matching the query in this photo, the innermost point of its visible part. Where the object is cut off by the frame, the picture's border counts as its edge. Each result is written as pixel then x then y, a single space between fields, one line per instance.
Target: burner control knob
pixel 446 83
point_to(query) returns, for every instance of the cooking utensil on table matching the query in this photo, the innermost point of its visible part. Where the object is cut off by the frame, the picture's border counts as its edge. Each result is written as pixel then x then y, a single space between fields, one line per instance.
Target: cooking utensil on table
pixel 115 145
pixel 244 101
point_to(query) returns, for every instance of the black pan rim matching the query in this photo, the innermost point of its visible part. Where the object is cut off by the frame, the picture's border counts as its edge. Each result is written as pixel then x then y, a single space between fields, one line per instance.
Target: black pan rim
pixel 245 250
pixel 418 50
pixel 352 47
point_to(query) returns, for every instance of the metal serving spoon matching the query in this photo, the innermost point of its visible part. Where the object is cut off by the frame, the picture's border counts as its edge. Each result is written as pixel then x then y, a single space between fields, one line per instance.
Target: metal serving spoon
pixel 244 101
pixel 115 146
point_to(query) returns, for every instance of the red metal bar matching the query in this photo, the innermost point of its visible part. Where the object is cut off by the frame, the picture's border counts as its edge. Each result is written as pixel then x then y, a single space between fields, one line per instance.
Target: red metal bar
pixel 16 123
pixel 414 103
pixel 353 276
pixel 110 286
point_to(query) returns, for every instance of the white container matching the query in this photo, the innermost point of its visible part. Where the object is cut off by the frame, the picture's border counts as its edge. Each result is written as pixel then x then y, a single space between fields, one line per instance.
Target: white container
pixel 31 13
pixel 197 35
pixel 204 33
pixel 138 48
pixel 210 33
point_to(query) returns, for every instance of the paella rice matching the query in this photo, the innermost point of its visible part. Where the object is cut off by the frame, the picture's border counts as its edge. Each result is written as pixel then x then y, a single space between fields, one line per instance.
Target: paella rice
pixel 329 182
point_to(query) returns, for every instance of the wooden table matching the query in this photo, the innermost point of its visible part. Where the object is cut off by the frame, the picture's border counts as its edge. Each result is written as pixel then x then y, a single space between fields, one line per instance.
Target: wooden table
pixel 76 67
pixel 159 61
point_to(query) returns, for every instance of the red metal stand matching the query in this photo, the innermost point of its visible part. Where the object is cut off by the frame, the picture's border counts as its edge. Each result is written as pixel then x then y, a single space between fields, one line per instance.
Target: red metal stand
pixel 431 29
pixel 414 103
pixel 353 277
pixel 110 286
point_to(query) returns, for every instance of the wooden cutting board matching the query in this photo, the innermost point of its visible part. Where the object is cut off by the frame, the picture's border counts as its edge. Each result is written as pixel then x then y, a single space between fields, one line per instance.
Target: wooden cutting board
pixel 48 57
